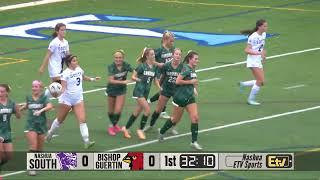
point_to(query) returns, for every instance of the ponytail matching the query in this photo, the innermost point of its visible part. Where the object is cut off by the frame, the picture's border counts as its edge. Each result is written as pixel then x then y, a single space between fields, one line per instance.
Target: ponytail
pixel 143 57
pixel 248 32
pixel 189 56
pixel 56 29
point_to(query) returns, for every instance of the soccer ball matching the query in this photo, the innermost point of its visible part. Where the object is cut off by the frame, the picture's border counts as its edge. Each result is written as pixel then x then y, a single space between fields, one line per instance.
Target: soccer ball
pixel 55 89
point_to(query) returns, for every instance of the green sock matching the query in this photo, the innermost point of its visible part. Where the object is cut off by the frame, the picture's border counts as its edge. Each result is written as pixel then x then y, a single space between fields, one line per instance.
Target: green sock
pixel 155 97
pixel 116 118
pixel 154 118
pixel 194 131
pixel 164 109
pixel 167 126
pixel 143 122
pixel 111 117
pixel 131 121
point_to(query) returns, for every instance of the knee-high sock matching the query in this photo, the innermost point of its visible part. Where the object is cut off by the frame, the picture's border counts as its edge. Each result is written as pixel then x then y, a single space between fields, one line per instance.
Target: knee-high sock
pixel 116 118
pixel 111 118
pixel 167 126
pixel 84 132
pixel 194 131
pixel 130 121
pixel 254 91
pixel 54 127
pixel 154 118
pixel 143 122
pixel 155 97
pixel 248 83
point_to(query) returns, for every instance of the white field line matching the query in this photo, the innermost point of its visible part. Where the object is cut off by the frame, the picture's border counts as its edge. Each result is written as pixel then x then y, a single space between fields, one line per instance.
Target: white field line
pixel 211 79
pixel 214 128
pixel 219 127
pixel 296 86
pixel 13 173
pixel 29 4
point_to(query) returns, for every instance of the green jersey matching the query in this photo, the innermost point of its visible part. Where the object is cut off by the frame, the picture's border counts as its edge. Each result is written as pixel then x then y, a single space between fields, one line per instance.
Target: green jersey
pixel 36 105
pixel 164 55
pixel 120 75
pixel 170 75
pixel 36 123
pixel 185 92
pixel 5 115
pixel 146 74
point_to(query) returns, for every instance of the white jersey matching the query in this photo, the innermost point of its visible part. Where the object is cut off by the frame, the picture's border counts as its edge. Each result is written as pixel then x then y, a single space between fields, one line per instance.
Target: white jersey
pixel 74 81
pixel 59 50
pixel 257 42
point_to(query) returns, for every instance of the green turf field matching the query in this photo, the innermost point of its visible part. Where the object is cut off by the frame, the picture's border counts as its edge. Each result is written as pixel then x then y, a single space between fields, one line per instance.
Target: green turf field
pixel 291 80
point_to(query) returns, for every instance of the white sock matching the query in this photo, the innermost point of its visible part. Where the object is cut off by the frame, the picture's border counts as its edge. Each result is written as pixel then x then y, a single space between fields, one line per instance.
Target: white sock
pixel 47 93
pixel 248 83
pixel 84 132
pixel 54 127
pixel 254 91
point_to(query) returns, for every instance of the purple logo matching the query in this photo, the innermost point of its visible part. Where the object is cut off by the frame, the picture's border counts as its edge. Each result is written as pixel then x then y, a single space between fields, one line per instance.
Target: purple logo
pixel 67 160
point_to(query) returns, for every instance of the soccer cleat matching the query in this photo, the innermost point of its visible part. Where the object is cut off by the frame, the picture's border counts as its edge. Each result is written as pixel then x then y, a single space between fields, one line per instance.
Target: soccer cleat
pixel 174 131
pixel 160 136
pixel 252 102
pixel 196 146
pixel 32 173
pixel 111 131
pixel 126 133
pixel 164 115
pixel 241 87
pixel 147 128
pixel 141 134
pixel 117 128
pixel 89 144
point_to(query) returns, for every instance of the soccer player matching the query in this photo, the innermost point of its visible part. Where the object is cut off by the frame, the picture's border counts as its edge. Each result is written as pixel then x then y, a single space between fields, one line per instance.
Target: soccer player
pixel 143 75
pixel 256 56
pixel 7 108
pixel 163 55
pixel 36 125
pixel 169 71
pixel 184 98
pixel 57 50
pixel 72 97
pixel 117 89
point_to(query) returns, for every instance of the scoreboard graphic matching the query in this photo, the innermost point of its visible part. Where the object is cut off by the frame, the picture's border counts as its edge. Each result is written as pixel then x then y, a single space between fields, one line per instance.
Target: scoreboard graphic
pixel 136 161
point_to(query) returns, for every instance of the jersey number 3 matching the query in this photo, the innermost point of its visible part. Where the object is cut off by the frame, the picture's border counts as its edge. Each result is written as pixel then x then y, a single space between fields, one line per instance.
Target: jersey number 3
pixel 78 81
